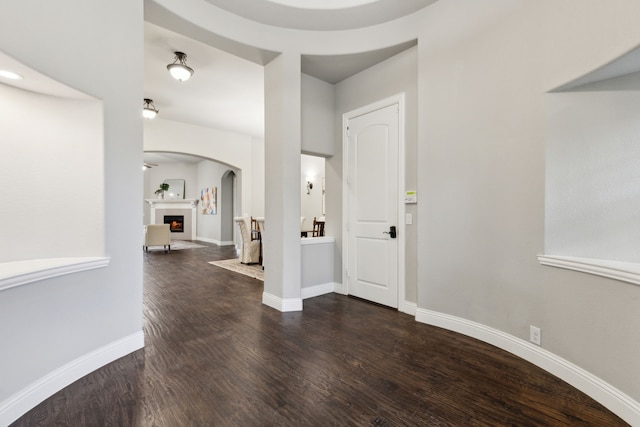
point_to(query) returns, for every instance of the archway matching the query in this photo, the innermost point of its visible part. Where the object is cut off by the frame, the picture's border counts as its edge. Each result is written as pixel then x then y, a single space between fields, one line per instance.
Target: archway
pixel 228 205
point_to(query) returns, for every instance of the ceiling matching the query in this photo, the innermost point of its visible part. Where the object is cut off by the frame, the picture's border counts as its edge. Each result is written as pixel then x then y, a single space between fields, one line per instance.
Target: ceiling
pixel 321 15
pixel 227 92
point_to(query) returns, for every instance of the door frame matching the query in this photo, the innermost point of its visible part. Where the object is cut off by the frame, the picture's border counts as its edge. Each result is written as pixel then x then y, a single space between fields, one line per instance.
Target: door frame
pixel 398 99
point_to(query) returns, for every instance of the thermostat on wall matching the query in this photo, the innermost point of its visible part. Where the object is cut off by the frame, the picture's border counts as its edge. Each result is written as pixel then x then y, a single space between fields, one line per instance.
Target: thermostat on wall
pixel 410 197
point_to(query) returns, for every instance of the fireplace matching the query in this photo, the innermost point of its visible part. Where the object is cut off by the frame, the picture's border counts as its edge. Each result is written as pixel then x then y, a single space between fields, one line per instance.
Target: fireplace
pixel 176 223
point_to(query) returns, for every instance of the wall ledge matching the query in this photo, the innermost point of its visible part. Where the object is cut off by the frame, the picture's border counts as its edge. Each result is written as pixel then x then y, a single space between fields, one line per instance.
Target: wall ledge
pixel 624 271
pixel 316 240
pixel 20 273
pixel 615 400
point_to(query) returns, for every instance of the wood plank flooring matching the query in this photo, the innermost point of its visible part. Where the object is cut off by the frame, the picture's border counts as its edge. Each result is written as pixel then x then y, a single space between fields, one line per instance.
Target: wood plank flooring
pixel 215 356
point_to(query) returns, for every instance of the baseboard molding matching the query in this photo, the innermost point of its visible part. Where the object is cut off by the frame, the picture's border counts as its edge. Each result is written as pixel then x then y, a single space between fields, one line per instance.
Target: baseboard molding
pixel 410 308
pixel 339 289
pixel 214 241
pixel 20 403
pixel 317 290
pixel 616 401
pixel 283 305
pixel 208 240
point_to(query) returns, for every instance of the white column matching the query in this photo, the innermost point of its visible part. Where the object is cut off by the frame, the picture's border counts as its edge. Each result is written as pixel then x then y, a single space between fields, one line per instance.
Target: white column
pixel 282 278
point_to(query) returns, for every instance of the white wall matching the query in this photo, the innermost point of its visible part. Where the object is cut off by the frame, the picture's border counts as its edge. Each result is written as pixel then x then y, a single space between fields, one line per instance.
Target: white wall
pixel 592 196
pixel 482 169
pixel 50 211
pixel 156 175
pixel 317 117
pixel 257 179
pixel 48 324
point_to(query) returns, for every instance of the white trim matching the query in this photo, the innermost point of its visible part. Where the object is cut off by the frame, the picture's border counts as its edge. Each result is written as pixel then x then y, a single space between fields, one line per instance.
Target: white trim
pixel 624 271
pixel 612 398
pixel 20 403
pixel 316 240
pixel 339 289
pixel 280 304
pixel 19 273
pixel 398 99
pixel 215 242
pixel 317 290
pixel 208 240
pixel 410 308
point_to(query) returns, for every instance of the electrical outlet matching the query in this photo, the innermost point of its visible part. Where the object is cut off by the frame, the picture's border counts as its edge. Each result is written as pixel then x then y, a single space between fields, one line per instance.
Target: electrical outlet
pixel 534 334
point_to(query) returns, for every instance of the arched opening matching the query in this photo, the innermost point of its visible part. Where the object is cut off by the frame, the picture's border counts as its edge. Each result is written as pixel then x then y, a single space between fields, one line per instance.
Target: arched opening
pixel 200 174
pixel 228 206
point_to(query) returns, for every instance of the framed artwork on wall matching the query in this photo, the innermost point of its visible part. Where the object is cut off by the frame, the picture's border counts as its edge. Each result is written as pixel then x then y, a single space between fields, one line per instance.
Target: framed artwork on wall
pixel 209 201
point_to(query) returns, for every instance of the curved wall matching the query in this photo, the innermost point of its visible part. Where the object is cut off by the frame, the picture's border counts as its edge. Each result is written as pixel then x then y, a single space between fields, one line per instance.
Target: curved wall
pixel 56 330
pixel 482 143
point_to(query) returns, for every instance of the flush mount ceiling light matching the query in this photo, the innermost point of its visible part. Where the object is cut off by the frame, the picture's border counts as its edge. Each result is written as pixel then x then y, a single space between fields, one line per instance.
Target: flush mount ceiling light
pixel 10 75
pixel 149 111
pixel 179 69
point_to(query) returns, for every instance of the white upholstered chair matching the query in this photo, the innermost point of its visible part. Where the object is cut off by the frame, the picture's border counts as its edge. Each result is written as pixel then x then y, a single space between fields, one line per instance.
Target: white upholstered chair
pixel 250 250
pixel 157 235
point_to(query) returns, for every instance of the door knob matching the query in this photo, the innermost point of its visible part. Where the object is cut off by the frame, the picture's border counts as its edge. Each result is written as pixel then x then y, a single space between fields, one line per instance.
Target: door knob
pixel 392 232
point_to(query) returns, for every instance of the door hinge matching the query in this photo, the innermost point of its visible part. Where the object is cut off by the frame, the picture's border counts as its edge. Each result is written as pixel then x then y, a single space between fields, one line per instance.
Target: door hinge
pixel 347 272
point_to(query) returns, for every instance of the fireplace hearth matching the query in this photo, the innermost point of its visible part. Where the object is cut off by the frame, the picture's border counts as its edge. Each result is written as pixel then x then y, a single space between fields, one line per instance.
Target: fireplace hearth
pixel 176 223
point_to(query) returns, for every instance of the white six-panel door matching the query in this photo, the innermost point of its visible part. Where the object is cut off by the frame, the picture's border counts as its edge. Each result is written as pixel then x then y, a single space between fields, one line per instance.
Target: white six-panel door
pixel 372 205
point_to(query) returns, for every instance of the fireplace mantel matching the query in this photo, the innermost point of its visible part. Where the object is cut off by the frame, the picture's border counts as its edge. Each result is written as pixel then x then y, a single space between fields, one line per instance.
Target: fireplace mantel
pixel 190 204
pixel 173 203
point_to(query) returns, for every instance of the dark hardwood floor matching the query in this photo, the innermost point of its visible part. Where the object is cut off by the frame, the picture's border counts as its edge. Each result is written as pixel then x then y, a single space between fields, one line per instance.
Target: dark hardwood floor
pixel 215 356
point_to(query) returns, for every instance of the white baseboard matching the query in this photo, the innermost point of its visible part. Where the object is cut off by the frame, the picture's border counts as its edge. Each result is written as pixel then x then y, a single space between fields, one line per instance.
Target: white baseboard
pixel 283 305
pixel 317 290
pixel 409 308
pixel 214 241
pixel 206 239
pixel 20 403
pixel 339 289
pixel 616 401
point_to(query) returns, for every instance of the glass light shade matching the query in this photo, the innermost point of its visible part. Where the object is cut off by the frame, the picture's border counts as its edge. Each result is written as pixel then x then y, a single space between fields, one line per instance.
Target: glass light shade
pixel 148 113
pixel 180 72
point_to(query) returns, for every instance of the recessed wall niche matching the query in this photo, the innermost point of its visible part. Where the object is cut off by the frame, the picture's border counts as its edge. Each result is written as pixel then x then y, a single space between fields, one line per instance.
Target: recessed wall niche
pixel 51 172
pixel 592 178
